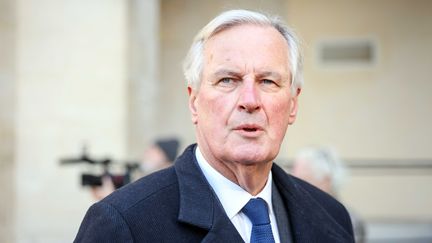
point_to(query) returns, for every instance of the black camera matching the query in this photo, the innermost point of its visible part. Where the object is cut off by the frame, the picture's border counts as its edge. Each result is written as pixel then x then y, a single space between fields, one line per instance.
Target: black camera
pixel 96 179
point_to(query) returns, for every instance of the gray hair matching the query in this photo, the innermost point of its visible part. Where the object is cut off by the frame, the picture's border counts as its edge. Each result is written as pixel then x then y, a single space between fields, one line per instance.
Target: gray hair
pixel 193 63
pixel 324 162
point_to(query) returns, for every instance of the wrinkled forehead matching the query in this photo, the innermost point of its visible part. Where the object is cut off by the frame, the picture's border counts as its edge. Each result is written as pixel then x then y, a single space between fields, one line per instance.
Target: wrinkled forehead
pixel 245 35
pixel 250 46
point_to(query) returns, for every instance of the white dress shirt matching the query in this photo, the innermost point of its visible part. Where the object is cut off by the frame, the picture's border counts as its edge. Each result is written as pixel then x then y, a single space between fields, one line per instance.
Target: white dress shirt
pixel 233 198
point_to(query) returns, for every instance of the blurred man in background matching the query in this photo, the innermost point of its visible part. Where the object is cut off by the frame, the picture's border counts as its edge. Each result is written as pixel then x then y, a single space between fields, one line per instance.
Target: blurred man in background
pixel 322 167
pixel 160 155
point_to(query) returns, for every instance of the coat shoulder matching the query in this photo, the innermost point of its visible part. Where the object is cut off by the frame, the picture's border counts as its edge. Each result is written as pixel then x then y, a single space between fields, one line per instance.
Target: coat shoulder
pixel 133 212
pixel 156 186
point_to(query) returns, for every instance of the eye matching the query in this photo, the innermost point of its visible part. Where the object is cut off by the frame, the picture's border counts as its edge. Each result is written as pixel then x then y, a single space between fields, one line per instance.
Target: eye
pixel 226 80
pixel 227 83
pixel 268 82
pixel 270 85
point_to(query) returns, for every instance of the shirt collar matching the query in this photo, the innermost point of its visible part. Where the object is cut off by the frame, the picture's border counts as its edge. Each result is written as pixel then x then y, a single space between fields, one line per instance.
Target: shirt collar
pixel 232 197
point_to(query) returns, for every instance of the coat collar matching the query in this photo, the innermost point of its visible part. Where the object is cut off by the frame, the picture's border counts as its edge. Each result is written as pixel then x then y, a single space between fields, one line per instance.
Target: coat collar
pixel 199 205
pixel 309 221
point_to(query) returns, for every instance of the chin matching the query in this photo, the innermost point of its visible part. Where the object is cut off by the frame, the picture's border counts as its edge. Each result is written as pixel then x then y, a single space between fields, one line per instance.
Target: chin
pixel 250 158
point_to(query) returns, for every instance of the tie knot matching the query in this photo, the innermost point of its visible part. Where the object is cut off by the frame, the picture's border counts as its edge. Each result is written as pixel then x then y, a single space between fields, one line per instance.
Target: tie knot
pixel 256 210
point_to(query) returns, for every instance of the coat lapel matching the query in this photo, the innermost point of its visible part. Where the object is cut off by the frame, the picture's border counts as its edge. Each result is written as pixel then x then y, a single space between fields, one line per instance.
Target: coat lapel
pixel 222 230
pixel 199 206
pixel 309 221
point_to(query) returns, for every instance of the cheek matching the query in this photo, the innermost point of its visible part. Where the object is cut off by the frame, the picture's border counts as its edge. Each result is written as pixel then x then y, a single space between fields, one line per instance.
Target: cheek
pixel 212 110
pixel 279 115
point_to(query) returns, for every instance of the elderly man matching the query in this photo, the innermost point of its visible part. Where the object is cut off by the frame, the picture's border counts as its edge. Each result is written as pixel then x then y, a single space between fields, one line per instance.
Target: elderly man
pixel 244 78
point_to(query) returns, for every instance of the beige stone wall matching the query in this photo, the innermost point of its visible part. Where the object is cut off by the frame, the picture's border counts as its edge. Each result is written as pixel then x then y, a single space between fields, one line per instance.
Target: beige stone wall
pixel 71 89
pixel 377 112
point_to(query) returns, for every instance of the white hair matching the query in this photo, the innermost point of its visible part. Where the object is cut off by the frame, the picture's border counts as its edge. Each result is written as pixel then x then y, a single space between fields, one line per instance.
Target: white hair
pixel 193 63
pixel 324 162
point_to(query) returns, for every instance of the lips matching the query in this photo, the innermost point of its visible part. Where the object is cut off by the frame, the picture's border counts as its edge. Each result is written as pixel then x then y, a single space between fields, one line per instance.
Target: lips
pixel 249 128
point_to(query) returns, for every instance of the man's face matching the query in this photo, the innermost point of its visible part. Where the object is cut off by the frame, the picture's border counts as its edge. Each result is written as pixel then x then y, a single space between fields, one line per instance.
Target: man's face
pixel 244 104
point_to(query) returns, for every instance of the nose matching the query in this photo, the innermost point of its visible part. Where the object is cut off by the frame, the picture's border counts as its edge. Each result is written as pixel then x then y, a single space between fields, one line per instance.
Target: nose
pixel 249 98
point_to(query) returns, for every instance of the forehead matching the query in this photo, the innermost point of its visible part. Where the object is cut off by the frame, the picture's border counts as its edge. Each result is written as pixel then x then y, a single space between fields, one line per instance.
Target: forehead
pixel 247 45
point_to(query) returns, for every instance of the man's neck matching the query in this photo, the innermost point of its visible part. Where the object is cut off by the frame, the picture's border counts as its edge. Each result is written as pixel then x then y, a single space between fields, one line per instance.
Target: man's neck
pixel 250 177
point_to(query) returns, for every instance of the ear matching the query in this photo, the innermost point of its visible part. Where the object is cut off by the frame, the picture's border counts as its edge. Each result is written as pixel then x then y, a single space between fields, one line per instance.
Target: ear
pixel 294 107
pixel 192 105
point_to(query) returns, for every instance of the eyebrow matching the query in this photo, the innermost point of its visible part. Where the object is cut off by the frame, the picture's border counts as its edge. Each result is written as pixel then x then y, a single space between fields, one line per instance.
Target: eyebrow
pixel 228 72
pixel 270 74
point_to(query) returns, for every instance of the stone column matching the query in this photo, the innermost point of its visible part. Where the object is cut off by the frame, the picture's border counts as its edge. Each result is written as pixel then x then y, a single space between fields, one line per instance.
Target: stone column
pixel 7 128
pixel 144 74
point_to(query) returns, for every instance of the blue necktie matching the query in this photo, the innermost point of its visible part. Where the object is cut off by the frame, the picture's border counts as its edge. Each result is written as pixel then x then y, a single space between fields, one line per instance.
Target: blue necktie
pixel 256 210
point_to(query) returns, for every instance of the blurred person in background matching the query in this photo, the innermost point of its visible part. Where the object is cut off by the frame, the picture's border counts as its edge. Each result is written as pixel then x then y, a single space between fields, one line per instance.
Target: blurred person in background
pixel 160 155
pixel 322 167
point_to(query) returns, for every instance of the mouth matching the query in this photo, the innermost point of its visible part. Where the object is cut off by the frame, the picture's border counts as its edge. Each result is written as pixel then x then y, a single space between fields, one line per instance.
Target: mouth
pixel 249 128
